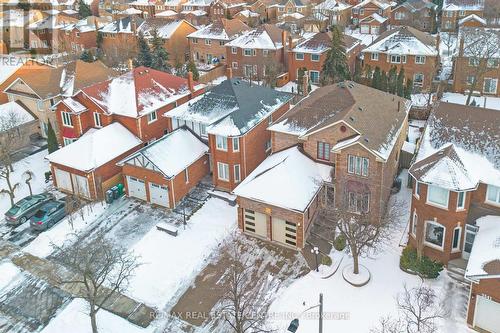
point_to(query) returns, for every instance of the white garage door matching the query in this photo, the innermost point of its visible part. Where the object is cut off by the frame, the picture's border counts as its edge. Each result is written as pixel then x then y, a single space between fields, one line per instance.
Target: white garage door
pixel 255 222
pixel 365 29
pixel 284 232
pixel 136 188
pixel 63 180
pixel 487 315
pixel 81 186
pixel 158 195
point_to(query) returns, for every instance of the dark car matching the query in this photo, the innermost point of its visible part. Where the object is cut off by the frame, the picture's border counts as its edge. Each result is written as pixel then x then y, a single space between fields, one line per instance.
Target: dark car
pixel 25 208
pixel 48 214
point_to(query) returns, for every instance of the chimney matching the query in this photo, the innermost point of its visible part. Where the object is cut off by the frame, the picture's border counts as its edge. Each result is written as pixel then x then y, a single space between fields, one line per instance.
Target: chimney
pixel 305 84
pixel 96 23
pixel 461 47
pixel 290 42
pixel 283 42
pixel 190 81
pixel 130 64
pixel 229 73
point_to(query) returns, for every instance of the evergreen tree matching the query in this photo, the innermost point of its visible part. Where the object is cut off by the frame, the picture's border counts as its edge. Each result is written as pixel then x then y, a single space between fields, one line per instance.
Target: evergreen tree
pixel 400 90
pixel 191 67
pixel 383 81
pixel 99 41
pixel 376 79
pixel 84 10
pixel 144 57
pixel 335 68
pixel 87 56
pixel 392 78
pixel 52 144
pixel 159 56
pixel 408 88
pixel 357 74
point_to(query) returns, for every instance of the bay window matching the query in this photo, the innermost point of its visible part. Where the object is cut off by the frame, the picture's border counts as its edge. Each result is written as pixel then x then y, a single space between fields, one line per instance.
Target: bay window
pixel 434 233
pixel 437 196
pixel 66 119
pixel 359 203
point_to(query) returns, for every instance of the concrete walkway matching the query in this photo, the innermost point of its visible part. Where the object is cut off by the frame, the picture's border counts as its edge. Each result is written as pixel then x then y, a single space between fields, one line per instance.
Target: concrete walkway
pixel 53 273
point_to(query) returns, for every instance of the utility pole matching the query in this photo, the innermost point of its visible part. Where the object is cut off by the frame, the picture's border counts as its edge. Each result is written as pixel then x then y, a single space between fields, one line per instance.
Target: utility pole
pixel 321 313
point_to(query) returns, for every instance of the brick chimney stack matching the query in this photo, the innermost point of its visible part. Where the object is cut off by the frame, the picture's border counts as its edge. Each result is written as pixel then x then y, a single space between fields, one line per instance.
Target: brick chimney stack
pixel 190 82
pixel 283 42
pixel 229 73
pixel 305 84
pixel 130 64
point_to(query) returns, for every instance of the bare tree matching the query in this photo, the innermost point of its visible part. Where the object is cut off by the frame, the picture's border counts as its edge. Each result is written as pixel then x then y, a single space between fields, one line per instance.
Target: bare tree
pixel 28 176
pixel 481 47
pixel 5 173
pixel 272 71
pixel 388 325
pixel 243 304
pixel 448 40
pixel 101 268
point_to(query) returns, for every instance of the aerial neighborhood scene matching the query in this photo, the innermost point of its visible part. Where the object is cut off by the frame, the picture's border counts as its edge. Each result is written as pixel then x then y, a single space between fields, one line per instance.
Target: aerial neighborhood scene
pixel 249 166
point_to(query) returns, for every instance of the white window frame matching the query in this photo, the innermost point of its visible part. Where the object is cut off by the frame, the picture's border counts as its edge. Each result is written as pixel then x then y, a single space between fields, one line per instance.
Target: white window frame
pixel 236 147
pixel 234 50
pixel 237 174
pixel 417 190
pixel 66 119
pixel 474 62
pixel 489 188
pixel 490 91
pixel 352 165
pixel 462 205
pixel 394 59
pixel 208 41
pixel 245 52
pixel 419 59
pixel 437 204
pixel 374 56
pixel 186 175
pixel 492 63
pixel 315 60
pixel 414 223
pixel 97 119
pixel 234 64
pixel 297 56
pixel 457 248
pixel 221 143
pixel 152 117
pixel 418 83
pixel 224 175
pixel 203 130
pixel 311 74
pixel 432 244
pixel 68 141
pixel 265 53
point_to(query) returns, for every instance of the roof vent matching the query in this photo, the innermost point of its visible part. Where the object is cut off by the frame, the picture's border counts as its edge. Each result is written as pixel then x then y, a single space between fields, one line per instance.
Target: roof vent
pixel 366 140
pixel 351 118
pixel 351 85
pixel 342 85
pixel 440 153
pixel 360 108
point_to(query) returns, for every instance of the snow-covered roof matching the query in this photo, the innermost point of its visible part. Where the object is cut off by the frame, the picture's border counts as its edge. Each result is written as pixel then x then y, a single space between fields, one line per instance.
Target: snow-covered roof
pixel 166 13
pixel 139 92
pixel 480 42
pixel 123 25
pixel 73 105
pixel 318 43
pixel 197 12
pixel 131 11
pixel 231 108
pixel 248 13
pixel 455 5
pixel 221 29
pixel 13 114
pixel 165 28
pixel 288 179
pixel 295 15
pixel 406 41
pixel 484 260
pixel 15 18
pixel 472 133
pixel 331 5
pixel 379 3
pixel 96 149
pixel 472 17
pixel 489 102
pixel 265 36
pixel 376 17
pixel 174 152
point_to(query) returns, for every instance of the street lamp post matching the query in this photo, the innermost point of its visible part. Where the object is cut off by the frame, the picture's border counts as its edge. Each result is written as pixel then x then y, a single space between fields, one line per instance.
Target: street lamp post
pixel 294 324
pixel 315 251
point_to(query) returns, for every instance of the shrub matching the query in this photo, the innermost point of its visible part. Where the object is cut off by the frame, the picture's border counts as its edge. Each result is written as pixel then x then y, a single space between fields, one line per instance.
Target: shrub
pixel 326 260
pixel 424 267
pixel 339 243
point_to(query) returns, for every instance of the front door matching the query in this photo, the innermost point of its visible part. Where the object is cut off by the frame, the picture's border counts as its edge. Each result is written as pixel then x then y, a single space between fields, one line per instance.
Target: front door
pixel 470 234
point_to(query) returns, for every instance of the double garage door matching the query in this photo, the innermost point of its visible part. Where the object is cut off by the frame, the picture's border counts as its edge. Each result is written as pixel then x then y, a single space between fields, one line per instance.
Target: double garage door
pixel 487 314
pixel 283 231
pixel 73 183
pixel 158 194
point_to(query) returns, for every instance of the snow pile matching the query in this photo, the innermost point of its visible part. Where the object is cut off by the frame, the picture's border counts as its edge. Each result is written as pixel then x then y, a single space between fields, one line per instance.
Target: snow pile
pixel 171 263
pixel 9 273
pixel 174 152
pixel 93 150
pixel 486 246
pixel 287 179
pixel 74 318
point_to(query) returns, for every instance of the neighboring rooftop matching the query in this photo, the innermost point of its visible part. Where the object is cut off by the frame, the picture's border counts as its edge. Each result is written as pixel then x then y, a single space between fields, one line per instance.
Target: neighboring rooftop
pixel 463 5
pixel 222 29
pixel 331 5
pixel 417 5
pixel 266 36
pixel 382 4
pixel 92 149
pixel 124 25
pixel 404 40
pixel 165 28
pixel 489 102
pixel 287 179
pixel 173 152
pixel 484 260
pixel 232 107
pixel 377 116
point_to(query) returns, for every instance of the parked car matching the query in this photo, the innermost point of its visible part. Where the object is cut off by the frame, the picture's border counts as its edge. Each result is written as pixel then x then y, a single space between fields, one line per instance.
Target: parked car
pixel 25 208
pixel 48 214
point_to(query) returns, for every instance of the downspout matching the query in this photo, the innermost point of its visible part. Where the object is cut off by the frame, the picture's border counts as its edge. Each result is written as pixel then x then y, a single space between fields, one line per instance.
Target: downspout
pixel 173 191
pixel 244 156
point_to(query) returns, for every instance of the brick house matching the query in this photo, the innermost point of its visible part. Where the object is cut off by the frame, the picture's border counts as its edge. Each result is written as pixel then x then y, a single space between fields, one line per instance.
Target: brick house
pixel 209 43
pixel 472 21
pixel 366 8
pixel 40 87
pixel 119 41
pixel 46 32
pixel 173 33
pixel 476 64
pixel 137 99
pixel 225 8
pixel 445 205
pixel 163 172
pixel 455 10
pixel 251 53
pixel 312 53
pixel 343 140
pixel 289 7
pixel 407 48
pixel 82 35
pixel 88 167
pixel 373 24
pixel 335 12
pixel 233 117
pixel 455 209
pixel 420 14
pixel 18 124
pixel 196 5
pixel 248 17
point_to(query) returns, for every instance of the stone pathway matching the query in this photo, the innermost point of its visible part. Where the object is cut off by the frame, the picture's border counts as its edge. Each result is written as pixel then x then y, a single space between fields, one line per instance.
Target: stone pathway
pixel 52 273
